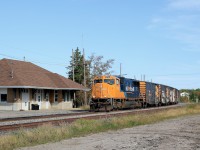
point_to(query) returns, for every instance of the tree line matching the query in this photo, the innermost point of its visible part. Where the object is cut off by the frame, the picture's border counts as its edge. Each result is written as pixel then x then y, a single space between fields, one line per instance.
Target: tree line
pixel 194 94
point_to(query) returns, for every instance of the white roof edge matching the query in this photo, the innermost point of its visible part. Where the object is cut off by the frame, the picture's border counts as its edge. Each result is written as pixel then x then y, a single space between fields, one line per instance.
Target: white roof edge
pixel 52 88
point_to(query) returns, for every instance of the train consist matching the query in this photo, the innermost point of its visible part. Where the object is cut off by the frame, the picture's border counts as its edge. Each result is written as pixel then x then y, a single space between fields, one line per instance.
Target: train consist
pixel 115 92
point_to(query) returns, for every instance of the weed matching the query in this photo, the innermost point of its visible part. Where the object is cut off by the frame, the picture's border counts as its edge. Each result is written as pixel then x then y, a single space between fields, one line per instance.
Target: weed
pixel 81 127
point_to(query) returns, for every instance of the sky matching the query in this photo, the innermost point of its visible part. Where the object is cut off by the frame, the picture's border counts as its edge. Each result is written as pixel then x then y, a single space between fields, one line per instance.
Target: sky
pixel 159 39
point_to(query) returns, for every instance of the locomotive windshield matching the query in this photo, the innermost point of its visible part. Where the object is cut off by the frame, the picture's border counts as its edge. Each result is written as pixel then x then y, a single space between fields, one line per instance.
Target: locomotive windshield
pixel 98 81
pixel 109 81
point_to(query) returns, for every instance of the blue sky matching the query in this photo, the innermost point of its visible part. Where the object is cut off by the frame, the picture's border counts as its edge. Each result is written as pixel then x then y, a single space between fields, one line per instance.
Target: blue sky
pixel 160 39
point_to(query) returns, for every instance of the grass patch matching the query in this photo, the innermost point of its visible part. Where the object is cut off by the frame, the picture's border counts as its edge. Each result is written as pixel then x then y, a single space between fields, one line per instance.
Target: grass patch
pixel 85 107
pixel 81 127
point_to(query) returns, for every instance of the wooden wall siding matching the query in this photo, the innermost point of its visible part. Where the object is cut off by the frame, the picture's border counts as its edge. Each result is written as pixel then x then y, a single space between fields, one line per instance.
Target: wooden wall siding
pixel 51 96
pixel 60 97
pixel 10 95
pixel 30 94
pixel 17 94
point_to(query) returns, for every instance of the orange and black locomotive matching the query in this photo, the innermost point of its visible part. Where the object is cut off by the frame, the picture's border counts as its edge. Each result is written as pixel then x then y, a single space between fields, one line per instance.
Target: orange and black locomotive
pixel 116 92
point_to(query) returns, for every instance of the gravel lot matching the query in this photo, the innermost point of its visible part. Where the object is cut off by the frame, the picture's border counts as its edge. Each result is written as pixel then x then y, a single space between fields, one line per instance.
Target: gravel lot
pixel 182 134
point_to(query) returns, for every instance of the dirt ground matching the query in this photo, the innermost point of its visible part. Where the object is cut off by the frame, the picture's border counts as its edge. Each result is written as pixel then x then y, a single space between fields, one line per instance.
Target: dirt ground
pixel 180 134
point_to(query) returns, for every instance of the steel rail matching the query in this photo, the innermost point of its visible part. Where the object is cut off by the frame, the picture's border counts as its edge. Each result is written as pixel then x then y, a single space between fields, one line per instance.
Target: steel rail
pixel 72 118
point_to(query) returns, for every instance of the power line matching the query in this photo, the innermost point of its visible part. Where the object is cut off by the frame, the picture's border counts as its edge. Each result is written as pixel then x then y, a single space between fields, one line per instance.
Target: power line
pixel 181 74
pixel 46 63
pixel 64 65
pixel 9 56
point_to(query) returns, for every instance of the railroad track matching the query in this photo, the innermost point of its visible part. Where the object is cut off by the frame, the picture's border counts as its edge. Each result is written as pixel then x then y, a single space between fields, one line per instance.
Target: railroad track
pixel 39 117
pixel 11 124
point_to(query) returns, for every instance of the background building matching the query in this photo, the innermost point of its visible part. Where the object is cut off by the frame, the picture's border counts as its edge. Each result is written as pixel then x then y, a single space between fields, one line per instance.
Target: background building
pixel 185 94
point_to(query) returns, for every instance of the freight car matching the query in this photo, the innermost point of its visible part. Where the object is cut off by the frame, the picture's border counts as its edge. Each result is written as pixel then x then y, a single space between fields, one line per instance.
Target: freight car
pixel 115 92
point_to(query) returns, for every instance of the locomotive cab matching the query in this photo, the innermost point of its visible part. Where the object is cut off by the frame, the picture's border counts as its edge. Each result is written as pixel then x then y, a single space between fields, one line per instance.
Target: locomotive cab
pixel 105 87
pixel 104 90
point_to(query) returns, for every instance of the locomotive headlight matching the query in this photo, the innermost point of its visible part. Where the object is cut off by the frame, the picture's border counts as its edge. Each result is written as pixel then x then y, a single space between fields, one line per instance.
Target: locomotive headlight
pixel 104 96
pixel 93 96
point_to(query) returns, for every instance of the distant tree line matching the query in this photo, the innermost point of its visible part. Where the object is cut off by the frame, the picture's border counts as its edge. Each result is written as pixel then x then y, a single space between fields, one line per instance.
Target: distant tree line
pixel 94 66
pixel 193 94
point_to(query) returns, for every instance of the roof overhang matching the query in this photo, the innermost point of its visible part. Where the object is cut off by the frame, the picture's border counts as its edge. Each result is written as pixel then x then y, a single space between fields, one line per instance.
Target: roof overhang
pixel 48 88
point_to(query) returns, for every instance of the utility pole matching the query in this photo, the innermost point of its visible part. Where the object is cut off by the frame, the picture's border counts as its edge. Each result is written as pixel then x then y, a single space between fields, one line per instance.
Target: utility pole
pixel 84 78
pixel 85 96
pixel 73 64
pixel 73 71
pixel 120 69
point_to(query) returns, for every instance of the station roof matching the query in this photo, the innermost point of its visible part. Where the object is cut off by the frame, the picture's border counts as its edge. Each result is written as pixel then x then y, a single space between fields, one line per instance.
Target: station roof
pixel 22 74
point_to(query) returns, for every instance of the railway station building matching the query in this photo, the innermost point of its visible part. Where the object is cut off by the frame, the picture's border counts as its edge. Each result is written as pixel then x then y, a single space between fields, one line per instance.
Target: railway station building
pixel 24 85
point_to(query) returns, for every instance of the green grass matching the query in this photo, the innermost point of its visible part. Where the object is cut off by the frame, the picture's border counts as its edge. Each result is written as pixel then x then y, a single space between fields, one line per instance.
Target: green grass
pixel 82 127
pixel 85 107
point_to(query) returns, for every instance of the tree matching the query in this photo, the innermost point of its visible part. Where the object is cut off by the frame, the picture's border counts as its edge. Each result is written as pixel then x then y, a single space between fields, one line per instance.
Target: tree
pixel 193 94
pixel 77 63
pixel 94 66
pixel 98 67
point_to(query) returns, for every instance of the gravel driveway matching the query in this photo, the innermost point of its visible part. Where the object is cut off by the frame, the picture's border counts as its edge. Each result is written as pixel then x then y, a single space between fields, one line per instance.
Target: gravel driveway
pixel 180 134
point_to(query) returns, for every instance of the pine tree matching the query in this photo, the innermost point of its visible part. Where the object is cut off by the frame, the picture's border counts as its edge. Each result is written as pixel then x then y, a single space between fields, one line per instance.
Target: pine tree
pixel 77 63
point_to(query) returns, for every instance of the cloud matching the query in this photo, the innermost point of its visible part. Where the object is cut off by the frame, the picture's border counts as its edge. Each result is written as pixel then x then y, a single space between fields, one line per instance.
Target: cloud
pixel 187 22
pixel 179 21
pixel 183 27
pixel 184 4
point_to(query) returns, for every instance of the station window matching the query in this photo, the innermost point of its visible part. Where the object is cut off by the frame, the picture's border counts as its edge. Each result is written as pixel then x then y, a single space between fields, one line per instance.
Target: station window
pixel 56 95
pixel 68 96
pixel 39 99
pixel 15 93
pixel 46 94
pixel 64 95
pixel 24 90
pixel 3 97
pixel 47 97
